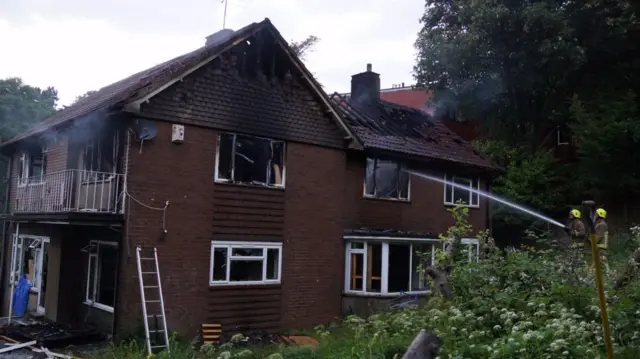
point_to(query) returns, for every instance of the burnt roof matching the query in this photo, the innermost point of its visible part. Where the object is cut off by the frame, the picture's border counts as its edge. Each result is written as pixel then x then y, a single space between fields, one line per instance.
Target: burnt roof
pixel 137 85
pixel 387 126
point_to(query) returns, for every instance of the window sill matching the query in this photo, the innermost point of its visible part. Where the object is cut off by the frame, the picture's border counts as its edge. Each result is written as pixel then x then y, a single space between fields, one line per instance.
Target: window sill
pixel 349 293
pixel 34 184
pixel 103 307
pixel 244 284
pixel 248 185
pixel 384 199
pixel 475 206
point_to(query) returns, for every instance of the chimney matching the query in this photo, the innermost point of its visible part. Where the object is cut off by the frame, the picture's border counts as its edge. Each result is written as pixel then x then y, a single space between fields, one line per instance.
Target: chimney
pixel 365 86
pixel 218 37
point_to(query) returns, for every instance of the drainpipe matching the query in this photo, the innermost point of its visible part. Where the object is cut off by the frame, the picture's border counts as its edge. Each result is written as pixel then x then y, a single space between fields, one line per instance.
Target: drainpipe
pixel 6 226
pixel 13 282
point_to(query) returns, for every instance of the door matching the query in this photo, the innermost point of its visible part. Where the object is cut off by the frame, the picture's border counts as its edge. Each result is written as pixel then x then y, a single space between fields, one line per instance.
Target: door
pixel 30 256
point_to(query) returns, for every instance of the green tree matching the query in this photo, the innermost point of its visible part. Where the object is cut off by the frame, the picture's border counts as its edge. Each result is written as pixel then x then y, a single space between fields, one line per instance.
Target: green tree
pixel 83 96
pixel 302 48
pixel 516 63
pixel 22 106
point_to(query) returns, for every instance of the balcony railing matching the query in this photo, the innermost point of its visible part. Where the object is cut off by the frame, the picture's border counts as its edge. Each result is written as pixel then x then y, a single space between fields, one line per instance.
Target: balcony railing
pixel 70 191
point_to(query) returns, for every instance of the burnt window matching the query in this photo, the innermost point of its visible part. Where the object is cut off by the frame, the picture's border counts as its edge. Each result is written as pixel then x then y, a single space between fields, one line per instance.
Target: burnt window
pixel 102 268
pixel 33 165
pixel 245 262
pixel 563 136
pixel 250 160
pixel 98 158
pixel 386 179
pixel 461 191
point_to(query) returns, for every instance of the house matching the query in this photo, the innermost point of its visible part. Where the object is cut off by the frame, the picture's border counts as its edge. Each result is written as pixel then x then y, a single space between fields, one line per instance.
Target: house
pixel 247 178
pixel 392 216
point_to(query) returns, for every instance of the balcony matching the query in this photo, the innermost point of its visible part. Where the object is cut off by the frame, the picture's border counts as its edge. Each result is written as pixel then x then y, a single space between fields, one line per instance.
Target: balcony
pixel 70 191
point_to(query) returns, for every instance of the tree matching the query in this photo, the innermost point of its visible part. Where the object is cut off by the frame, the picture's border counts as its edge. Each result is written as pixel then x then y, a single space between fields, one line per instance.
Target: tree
pixel 22 106
pixel 302 48
pixel 516 63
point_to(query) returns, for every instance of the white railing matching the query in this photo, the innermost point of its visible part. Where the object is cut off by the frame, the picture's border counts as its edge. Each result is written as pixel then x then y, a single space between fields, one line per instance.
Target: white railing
pixel 70 191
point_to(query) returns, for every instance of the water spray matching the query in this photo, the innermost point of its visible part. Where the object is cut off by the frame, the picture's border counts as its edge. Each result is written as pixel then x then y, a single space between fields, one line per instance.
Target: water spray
pixel 491 197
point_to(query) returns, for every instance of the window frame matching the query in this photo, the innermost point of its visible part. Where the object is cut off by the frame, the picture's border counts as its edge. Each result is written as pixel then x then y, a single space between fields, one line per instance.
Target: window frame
pixel 24 177
pixel 451 179
pixel 93 302
pixel 400 165
pixel 97 145
pixel 230 245
pixel 218 179
pixel 386 241
pixel 559 134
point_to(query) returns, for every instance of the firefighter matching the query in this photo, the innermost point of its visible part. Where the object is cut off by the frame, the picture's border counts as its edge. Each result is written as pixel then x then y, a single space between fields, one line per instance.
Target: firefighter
pixel 602 233
pixel 578 233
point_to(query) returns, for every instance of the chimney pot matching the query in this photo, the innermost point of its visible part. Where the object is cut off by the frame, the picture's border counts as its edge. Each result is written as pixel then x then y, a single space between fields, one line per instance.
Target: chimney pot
pixel 368 67
pixel 403 85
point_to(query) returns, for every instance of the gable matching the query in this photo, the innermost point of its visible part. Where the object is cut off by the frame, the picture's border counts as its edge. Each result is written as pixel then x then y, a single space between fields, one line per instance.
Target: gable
pixel 253 88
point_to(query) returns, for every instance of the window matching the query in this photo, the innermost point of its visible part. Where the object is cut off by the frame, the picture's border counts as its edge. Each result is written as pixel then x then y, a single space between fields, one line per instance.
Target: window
pixel 102 268
pixel 250 160
pixel 382 267
pixel 98 158
pixel 245 263
pixel 375 267
pixel 563 137
pixel 33 166
pixel 386 179
pixel 453 194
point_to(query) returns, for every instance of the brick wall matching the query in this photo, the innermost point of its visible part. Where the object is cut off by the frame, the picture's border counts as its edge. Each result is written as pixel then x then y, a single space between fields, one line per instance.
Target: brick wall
pixel 425 212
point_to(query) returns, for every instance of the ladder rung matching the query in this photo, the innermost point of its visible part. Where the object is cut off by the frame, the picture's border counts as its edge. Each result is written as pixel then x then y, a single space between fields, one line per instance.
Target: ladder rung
pixel 150 286
pixel 154 315
pixel 158 346
pixel 152 301
pixel 148 259
pixel 156 331
pixel 149 272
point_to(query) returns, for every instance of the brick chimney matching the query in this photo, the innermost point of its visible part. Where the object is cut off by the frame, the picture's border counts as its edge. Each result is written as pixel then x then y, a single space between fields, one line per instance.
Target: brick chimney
pixel 218 37
pixel 365 86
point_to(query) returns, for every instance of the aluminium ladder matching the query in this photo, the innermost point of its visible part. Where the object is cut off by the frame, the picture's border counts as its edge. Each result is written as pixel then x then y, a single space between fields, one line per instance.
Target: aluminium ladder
pixel 161 337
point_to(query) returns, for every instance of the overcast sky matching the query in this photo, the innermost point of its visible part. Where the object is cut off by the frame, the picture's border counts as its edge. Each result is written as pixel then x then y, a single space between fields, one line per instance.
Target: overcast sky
pixel 81 45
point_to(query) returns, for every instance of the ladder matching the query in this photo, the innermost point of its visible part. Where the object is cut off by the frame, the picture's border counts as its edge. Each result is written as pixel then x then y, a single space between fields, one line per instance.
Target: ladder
pixel 149 272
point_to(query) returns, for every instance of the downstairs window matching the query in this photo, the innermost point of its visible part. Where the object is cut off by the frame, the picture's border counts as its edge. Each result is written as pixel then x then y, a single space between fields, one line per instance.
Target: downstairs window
pixel 245 263
pixel 250 160
pixel 392 267
pixel 102 269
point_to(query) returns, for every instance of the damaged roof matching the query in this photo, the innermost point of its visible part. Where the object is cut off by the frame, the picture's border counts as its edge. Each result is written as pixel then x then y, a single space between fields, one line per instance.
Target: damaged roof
pixel 387 126
pixel 144 84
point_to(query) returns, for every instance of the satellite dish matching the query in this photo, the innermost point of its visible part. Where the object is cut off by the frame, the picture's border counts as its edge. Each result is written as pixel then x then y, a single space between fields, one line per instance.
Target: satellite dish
pixel 146 130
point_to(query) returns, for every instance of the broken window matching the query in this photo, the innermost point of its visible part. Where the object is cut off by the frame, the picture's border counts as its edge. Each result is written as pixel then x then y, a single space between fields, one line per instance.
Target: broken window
pixel 29 258
pixel 563 136
pixel 98 158
pixel 399 265
pixel 33 165
pixel 102 268
pixel 245 262
pixel 458 194
pixel 386 179
pixel 250 160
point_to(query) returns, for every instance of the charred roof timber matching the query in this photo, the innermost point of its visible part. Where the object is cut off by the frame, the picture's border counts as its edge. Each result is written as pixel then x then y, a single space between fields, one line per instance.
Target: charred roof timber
pixel 365 86
pixel 218 37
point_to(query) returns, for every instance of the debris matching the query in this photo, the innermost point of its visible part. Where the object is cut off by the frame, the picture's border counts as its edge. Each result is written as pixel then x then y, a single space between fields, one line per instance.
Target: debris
pixel 301 340
pixel 13 347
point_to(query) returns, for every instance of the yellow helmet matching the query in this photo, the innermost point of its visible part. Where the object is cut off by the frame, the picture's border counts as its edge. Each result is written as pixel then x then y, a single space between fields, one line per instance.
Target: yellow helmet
pixel 575 213
pixel 601 212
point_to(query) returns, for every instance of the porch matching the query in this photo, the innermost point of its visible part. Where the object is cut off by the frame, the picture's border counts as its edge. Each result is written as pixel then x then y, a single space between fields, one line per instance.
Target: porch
pixel 70 272
pixel 70 191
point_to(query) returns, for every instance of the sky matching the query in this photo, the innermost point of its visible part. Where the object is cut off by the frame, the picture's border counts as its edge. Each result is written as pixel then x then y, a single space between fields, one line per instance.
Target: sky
pixel 80 45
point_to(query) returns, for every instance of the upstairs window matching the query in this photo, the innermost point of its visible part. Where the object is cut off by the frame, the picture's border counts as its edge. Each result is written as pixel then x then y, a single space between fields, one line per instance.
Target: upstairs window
pixel 563 136
pixel 386 179
pixel 99 157
pixel 33 166
pixel 453 195
pixel 250 160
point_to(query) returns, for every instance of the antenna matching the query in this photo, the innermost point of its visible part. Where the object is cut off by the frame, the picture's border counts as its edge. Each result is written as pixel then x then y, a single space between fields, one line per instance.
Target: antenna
pixel 224 17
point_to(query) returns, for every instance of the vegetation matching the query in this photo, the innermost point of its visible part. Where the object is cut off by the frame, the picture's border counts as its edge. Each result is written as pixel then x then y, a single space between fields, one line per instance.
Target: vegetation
pixel 22 106
pixel 511 303
pixel 522 68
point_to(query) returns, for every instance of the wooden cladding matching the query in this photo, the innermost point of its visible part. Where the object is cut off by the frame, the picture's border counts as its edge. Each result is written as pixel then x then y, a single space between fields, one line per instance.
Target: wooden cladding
pixel 244 212
pixel 246 308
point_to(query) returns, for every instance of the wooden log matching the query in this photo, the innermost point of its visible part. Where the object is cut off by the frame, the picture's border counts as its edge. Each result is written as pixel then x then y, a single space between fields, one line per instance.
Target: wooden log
pixel 425 345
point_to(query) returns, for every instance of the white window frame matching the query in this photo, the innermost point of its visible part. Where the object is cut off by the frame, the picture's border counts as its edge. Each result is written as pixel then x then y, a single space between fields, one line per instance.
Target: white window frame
pixel 17 263
pixel 385 241
pixel 88 301
pixel 451 179
pixel 559 136
pixel 25 164
pixel 364 183
pixel 96 176
pixel 229 245
pixel 217 179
